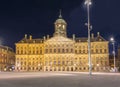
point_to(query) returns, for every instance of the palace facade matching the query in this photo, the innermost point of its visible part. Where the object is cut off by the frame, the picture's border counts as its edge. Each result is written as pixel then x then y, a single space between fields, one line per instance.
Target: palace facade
pixel 7 58
pixel 60 53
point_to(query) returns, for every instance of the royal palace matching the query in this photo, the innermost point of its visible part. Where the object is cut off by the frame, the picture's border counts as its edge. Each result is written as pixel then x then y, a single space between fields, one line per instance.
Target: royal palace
pixel 60 53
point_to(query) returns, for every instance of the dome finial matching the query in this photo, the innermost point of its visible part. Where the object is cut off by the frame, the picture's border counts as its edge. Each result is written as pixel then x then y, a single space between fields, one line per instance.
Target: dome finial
pixel 60 16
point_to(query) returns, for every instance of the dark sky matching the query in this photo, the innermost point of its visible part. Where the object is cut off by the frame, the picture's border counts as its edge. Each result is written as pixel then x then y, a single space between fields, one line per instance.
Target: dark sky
pixel 37 17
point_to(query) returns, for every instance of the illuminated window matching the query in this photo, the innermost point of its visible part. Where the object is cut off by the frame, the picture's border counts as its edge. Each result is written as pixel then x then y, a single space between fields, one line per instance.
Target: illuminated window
pixel 25 63
pixel 46 51
pixel 50 50
pixel 37 52
pixel 66 50
pixel 100 50
pixel 96 50
pixel 21 63
pixel 80 68
pixel 83 51
pixel 63 62
pixel 29 63
pixel 71 50
pixel 92 51
pixel 45 62
pixel 17 52
pixel 59 62
pixel 105 50
pixel 79 51
pixel 30 52
pixel 33 52
pixel 54 50
pixel 75 51
pixel 67 62
pixel 40 51
pixel 21 51
pixel 58 50
pixel 54 62
pixel 63 50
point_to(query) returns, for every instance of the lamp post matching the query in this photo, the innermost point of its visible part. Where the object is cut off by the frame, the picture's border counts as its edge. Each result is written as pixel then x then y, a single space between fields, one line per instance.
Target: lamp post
pixel 88 3
pixel 113 43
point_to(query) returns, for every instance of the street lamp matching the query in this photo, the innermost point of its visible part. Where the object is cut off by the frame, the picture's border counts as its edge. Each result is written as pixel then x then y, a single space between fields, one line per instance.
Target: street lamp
pixel 113 43
pixel 88 3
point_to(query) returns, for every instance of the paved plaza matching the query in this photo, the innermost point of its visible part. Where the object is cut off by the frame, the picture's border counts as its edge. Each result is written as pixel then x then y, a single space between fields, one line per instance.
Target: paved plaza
pixel 58 79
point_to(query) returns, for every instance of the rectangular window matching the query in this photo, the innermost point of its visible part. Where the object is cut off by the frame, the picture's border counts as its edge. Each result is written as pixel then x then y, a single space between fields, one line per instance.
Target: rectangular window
pixel 59 62
pixel 50 50
pixel 40 51
pixel 46 51
pixel 63 62
pixel 58 50
pixel 54 50
pixel 63 50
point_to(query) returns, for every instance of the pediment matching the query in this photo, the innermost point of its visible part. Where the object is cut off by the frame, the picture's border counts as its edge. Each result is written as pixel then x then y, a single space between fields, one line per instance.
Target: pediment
pixel 59 39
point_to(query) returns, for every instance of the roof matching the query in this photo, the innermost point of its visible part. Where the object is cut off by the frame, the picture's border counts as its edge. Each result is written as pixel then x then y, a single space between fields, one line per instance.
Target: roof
pixel 84 39
pixel 6 48
pixel 31 41
pixel 62 39
pixel 60 20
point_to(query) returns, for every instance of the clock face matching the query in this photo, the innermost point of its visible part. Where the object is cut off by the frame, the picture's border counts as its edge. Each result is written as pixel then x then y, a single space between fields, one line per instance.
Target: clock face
pixel 59 26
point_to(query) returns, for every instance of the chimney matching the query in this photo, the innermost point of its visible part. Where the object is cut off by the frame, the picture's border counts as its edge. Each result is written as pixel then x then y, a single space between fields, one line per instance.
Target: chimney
pixel 47 37
pixel 25 36
pixel 30 37
pixel 73 36
pixel 98 34
pixel 92 36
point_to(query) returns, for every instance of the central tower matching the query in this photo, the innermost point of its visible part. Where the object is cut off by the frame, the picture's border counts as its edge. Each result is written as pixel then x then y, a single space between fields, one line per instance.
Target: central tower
pixel 60 27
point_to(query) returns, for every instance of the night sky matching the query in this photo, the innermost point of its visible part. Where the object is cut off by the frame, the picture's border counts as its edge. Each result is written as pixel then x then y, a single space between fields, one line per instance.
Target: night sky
pixel 37 17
